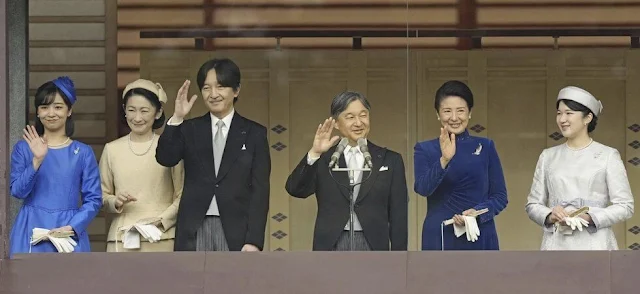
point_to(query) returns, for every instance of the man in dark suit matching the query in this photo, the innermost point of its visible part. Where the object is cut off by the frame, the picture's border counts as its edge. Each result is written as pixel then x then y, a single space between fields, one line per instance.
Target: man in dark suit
pixel 227 166
pixel 380 201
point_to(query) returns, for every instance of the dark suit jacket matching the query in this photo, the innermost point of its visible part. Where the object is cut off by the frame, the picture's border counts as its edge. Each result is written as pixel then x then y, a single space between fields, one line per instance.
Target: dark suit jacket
pixel 241 186
pixel 381 205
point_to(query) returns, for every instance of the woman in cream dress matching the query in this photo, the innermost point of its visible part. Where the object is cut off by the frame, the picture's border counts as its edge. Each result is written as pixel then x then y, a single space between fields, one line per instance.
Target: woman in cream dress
pixel 138 190
pixel 579 173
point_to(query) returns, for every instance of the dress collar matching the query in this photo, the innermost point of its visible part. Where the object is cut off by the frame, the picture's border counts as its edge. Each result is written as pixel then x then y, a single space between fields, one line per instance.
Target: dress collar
pixel 227 119
pixel 349 147
pixel 463 136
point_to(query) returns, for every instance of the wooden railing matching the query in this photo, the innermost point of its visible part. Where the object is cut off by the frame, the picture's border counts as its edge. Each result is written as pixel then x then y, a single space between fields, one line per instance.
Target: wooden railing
pixel 476 35
pixel 477 272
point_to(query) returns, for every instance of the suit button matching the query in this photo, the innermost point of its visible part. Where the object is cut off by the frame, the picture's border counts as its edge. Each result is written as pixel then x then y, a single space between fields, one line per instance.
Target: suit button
pixel 357 205
pixel 217 185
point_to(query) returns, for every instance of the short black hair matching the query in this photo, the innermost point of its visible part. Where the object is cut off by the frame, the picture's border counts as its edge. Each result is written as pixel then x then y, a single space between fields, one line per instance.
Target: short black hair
pixel 45 95
pixel 453 88
pixel 152 98
pixel 575 106
pixel 342 101
pixel 227 73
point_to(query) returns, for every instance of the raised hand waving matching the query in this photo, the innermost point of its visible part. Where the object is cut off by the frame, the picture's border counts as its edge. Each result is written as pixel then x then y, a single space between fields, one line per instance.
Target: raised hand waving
pixel 323 140
pixel 183 105
pixel 37 144
pixel 447 144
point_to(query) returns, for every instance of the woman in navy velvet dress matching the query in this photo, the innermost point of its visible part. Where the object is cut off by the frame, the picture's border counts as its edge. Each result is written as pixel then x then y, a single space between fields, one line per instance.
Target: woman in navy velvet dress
pixel 459 174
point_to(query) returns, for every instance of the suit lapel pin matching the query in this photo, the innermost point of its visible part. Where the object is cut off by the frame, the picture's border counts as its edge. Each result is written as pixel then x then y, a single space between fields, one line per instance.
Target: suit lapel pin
pixel 76 150
pixel 244 147
pixel 478 150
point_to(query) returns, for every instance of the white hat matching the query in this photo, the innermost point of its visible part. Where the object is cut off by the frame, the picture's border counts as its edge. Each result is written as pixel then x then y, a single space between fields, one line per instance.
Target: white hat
pixel 154 88
pixel 583 97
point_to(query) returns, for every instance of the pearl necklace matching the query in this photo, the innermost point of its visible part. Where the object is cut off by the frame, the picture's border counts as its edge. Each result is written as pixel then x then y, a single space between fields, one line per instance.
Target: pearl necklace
pixel 578 149
pixel 148 149
pixel 65 142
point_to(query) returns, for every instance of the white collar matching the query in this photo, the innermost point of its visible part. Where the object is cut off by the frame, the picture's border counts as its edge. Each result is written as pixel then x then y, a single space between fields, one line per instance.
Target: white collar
pixel 347 149
pixel 227 119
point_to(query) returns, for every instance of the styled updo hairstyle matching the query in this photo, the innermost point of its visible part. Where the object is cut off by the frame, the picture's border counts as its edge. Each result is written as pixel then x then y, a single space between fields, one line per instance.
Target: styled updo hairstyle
pixel 453 88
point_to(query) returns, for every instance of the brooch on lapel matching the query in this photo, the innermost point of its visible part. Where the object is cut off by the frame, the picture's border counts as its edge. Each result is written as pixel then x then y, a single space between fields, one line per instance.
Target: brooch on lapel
pixel 478 150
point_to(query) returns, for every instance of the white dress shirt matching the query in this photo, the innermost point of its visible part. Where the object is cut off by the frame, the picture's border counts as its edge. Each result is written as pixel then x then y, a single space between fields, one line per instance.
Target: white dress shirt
pixel 356 176
pixel 213 206
pixel 359 160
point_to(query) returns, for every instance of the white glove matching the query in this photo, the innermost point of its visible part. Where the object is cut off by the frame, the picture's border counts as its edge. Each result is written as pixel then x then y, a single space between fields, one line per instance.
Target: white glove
pixel 131 238
pixel 576 223
pixel 470 228
pixel 65 245
pixel 39 234
pixel 62 244
pixel 473 232
pixel 149 232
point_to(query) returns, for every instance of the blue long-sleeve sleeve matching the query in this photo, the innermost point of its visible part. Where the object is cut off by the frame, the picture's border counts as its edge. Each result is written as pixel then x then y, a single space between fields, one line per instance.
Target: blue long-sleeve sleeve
pixel 428 171
pixel 497 200
pixel 91 194
pixel 23 176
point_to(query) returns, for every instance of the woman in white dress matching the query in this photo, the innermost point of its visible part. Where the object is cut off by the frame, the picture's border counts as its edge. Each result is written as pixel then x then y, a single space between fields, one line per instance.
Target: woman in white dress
pixel 579 173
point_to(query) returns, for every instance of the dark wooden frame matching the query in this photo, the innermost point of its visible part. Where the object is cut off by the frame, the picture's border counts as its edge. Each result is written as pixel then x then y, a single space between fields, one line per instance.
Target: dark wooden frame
pixel 475 35
pixel 4 133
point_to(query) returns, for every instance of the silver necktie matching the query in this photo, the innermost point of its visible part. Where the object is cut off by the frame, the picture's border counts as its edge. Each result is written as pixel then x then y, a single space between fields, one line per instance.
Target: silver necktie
pixel 353 163
pixel 218 145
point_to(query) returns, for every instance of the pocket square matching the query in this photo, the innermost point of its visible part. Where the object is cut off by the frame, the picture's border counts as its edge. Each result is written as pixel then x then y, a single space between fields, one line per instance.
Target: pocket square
pixel 383 168
pixel 244 147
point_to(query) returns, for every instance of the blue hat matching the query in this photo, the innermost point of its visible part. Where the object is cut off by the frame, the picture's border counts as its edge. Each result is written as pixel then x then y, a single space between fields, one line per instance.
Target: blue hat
pixel 65 84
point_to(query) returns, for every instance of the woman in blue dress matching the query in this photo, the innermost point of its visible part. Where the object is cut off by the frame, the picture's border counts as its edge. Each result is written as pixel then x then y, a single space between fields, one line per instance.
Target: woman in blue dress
pixel 51 173
pixel 459 174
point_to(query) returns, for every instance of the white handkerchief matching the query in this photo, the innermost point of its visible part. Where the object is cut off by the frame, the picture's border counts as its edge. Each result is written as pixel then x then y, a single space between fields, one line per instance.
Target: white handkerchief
pixel 459 230
pixel 384 168
pixel 133 234
pixel 131 239
pixel 565 230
